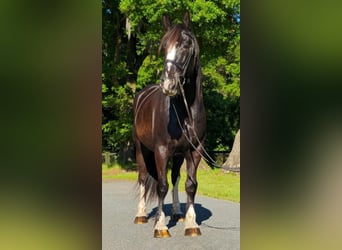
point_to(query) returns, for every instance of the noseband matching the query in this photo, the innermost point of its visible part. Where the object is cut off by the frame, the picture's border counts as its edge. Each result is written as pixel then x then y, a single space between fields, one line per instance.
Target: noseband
pixel 183 68
pixel 179 66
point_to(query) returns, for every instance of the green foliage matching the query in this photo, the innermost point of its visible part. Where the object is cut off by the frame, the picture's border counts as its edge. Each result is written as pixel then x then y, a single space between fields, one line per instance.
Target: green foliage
pixel 130 64
pixel 117 127
pixel 149 72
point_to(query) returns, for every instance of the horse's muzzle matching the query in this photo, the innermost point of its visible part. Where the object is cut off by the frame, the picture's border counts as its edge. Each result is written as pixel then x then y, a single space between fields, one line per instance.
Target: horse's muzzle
pixel 169 87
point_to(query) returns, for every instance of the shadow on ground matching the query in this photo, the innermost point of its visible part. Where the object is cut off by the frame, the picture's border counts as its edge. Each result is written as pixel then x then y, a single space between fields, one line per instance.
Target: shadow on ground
pixel 202 213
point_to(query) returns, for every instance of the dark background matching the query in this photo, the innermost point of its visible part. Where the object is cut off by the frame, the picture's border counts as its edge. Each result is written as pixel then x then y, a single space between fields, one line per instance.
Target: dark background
pixel 50 92
pixel 291 127
pixel 51 125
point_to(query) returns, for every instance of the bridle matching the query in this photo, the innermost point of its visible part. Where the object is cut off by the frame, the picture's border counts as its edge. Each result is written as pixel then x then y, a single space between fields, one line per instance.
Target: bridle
pixel 182 67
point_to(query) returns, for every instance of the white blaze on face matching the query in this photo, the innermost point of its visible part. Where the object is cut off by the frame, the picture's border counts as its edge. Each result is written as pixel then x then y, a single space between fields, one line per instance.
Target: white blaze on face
pixel 171 55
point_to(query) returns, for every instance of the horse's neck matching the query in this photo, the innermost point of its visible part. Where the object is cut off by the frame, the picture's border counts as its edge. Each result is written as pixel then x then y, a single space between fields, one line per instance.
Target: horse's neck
pixel 190 92
pixel 193 89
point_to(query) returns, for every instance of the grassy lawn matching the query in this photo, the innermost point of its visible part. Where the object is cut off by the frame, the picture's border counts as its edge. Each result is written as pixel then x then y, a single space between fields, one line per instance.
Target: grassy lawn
pixel 211 182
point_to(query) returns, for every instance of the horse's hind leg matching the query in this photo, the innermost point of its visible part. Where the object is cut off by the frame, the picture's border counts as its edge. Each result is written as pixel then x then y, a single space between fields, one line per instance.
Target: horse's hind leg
pixel 177 214
pixel 141 216
pixel 192 161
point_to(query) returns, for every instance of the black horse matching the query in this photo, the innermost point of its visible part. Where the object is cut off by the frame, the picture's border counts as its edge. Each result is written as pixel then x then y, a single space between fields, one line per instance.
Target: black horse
pixel 170 123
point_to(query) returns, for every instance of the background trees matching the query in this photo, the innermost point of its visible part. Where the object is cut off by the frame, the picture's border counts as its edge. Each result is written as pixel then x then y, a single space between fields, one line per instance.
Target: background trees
pixel 131 33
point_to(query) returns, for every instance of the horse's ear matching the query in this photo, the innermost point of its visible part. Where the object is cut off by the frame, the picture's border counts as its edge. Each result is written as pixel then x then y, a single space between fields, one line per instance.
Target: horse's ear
pixel 186 19
pixel 166 23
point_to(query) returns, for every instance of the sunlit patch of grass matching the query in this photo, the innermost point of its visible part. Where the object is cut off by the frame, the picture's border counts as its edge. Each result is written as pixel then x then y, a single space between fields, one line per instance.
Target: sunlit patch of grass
pixel 217 184
pixel 214 183
pixel 117 172
pixel 211 182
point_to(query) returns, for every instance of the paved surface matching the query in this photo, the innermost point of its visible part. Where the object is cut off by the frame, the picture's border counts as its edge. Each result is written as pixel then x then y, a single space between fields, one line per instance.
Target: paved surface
pixel 219 222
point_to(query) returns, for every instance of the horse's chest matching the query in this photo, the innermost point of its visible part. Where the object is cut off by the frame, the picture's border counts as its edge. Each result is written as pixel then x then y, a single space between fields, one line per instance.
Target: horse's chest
pixel 174 128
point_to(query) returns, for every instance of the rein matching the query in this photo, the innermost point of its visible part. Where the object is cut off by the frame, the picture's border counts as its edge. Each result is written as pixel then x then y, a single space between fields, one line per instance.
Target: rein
pixel 186 131
pixel 206 157
pixel 185 102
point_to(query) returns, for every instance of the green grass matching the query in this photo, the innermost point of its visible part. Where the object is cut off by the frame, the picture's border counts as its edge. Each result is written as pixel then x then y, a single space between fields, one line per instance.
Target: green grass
pixel 214 183
pixel 118 173
pixel 211 182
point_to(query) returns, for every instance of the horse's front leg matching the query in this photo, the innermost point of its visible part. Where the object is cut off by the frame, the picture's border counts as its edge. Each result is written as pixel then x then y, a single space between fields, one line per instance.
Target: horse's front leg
pixel 177 214
pixel 192 161
pixel 161 158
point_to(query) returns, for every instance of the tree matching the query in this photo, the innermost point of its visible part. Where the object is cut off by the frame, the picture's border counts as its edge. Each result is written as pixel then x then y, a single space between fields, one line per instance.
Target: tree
pixel 131 34
pixel 233 161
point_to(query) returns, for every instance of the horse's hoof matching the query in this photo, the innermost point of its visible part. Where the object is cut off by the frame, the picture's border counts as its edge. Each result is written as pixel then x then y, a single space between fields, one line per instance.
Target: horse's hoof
pixel 164 233
pixel 192 232
pixel 140 220
pixel 177 217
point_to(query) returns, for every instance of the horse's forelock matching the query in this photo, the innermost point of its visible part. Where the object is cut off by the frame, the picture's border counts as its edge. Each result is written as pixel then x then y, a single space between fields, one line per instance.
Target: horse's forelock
pixel 170 37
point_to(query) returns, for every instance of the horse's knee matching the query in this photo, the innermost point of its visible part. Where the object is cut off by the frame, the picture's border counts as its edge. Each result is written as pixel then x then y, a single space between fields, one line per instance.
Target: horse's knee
pixel 163 187
pixel 191 186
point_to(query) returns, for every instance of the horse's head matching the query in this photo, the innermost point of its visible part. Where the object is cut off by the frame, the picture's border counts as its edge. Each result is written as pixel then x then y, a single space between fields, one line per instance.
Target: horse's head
pixel 180 47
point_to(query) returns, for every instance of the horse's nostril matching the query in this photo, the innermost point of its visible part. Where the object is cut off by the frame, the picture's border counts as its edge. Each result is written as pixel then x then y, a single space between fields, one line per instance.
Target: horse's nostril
pixel 168 84
pixel 171 85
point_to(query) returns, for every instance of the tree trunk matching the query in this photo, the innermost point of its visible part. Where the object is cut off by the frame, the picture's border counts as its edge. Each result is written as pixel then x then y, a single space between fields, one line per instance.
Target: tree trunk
pixel 233 161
